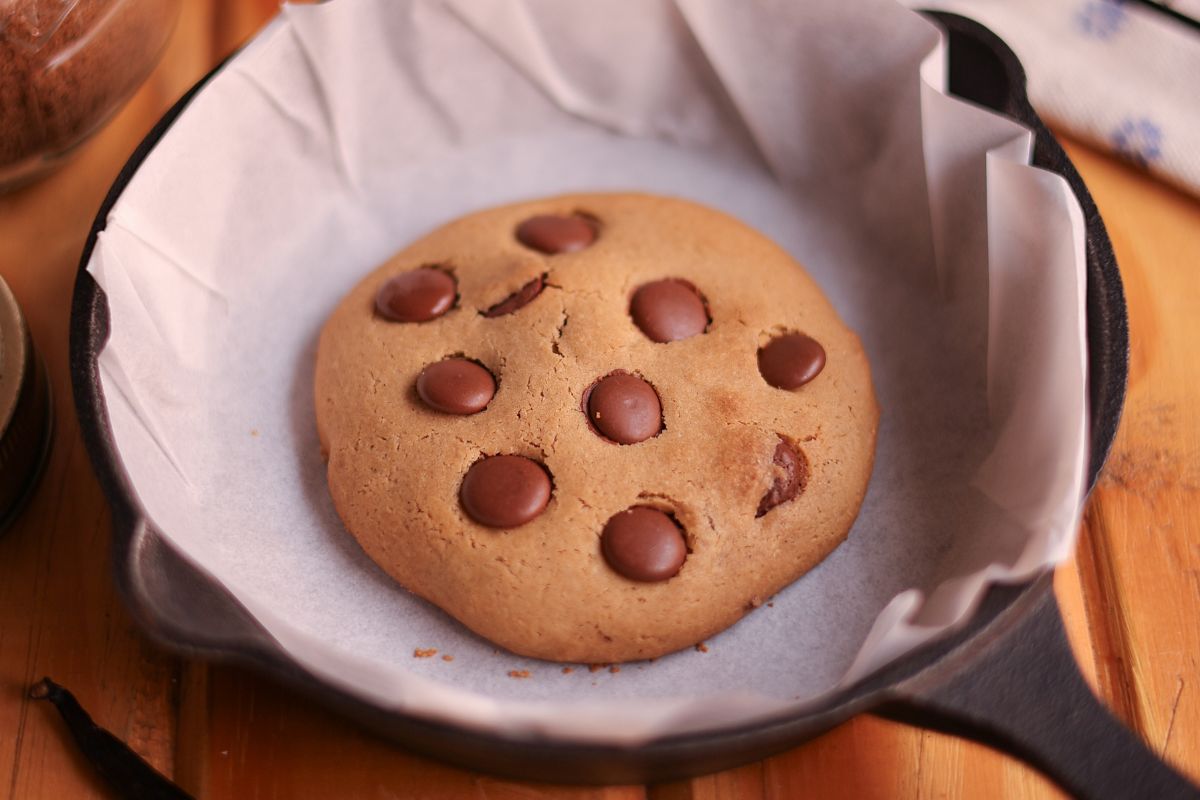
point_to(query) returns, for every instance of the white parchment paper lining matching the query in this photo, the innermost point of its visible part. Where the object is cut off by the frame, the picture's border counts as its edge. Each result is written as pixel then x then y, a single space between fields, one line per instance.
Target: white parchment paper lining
pixel 346 130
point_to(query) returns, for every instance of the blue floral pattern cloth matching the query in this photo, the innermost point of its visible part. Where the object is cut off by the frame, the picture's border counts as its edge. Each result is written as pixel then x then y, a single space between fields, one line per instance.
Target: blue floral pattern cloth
pixel 1138 140
pixel 1121 75
pixel 1101 19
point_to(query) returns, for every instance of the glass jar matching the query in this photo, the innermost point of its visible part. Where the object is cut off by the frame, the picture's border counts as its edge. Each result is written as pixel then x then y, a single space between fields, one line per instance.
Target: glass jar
pixel 65 67
pixel 26 411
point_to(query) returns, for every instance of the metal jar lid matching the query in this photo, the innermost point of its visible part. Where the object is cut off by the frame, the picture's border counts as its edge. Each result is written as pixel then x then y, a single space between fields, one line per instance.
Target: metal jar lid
pixel 26 414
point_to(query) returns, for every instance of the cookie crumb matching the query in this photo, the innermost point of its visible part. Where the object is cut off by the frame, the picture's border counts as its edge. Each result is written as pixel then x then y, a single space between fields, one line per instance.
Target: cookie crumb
pixel 254 432
pixel 614 669
pixel 447 657
pixel 596 667
pixel 425 653
pixel 518 673
pixel 567 670
pixel 702 648
pixel 770 605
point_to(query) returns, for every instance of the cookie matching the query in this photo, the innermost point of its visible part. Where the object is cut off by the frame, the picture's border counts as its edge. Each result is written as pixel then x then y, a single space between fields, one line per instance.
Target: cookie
pixel 594 428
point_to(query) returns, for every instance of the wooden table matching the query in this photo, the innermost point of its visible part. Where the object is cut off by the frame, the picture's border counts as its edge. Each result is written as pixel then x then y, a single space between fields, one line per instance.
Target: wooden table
pixel 1131 597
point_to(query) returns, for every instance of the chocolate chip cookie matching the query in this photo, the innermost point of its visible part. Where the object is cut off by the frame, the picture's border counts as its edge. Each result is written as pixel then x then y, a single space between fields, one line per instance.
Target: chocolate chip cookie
pixel 596 427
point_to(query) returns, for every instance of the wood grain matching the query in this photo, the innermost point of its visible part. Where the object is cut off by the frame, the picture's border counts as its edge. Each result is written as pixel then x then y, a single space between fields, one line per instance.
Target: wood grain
pixel 1141 573
pixel 265 741
pixel 59 612
pixel 1131 599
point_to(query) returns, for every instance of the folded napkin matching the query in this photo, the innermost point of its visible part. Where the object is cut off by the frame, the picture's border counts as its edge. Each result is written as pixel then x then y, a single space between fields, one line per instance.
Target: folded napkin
pixel 1124 76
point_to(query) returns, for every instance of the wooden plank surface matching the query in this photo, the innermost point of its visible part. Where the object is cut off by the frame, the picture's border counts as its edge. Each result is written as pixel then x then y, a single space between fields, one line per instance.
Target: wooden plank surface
pixel 59 612
pixel 1140 552
pixel 1131 598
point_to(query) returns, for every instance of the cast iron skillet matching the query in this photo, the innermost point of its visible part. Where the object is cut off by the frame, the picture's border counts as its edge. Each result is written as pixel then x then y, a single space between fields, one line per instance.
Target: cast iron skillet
pixel 1007 679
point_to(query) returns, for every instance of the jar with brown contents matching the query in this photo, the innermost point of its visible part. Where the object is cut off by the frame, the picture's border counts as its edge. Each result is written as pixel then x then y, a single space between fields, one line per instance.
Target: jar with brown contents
pixel 65 67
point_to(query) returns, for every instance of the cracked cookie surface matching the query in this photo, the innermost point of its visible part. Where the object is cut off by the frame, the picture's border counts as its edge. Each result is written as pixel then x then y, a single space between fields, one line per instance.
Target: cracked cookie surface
pixel 761 482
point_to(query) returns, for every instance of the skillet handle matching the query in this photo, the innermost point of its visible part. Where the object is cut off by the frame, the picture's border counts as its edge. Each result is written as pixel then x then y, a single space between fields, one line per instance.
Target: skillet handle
pixel 1024 695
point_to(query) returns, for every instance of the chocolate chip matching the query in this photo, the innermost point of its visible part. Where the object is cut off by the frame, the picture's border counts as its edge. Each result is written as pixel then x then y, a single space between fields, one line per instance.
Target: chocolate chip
pixel 518 299
pixel 643 544
pixel 791 476
pixel 554 234
pixel 624 408
pixel 417 296
pixel 791 360
pixel 668 310
pixel 505 491
pixel 456 386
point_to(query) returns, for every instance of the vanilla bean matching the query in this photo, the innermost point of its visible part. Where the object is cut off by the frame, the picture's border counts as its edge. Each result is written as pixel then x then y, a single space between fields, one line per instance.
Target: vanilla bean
pixel 122 769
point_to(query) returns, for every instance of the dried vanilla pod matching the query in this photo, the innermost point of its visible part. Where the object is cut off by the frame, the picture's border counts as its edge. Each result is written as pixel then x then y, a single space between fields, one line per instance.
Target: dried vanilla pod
pixel 122 769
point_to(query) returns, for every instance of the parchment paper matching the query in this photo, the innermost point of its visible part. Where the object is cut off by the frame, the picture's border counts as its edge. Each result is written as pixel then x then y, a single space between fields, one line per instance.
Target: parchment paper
pixel 346 130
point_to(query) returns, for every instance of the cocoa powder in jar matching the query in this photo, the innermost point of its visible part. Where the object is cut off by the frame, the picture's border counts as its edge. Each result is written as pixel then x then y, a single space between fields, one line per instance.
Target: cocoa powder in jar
pixel 65 67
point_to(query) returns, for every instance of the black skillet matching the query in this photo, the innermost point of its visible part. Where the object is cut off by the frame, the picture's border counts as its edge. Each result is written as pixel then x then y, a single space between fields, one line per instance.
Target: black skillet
pixel 1007 679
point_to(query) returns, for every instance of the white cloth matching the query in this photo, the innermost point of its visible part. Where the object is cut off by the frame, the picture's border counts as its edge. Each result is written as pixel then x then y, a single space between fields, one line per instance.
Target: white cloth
pixel 1121 75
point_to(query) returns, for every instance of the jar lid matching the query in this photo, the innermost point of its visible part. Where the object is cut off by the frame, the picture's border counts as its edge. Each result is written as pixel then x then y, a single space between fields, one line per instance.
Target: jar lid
pixel 26 416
